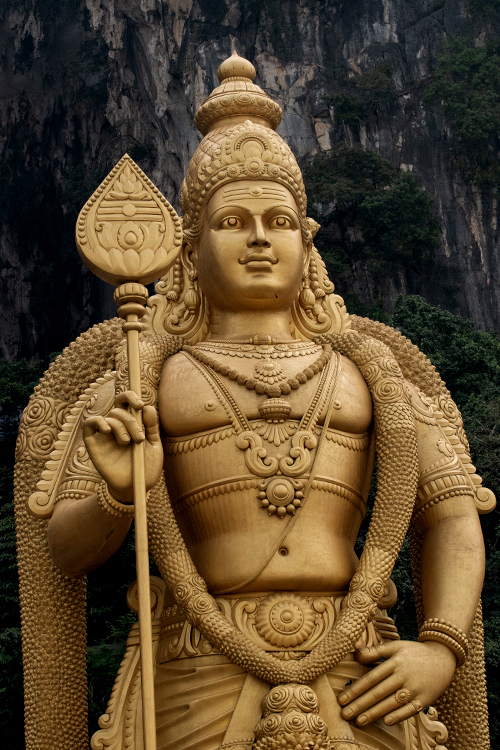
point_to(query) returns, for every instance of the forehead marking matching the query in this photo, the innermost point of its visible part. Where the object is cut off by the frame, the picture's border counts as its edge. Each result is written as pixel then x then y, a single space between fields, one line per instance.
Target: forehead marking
pixel 253 192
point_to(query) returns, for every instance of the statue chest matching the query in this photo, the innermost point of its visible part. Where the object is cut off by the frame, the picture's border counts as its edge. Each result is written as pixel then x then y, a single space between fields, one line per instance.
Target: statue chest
pixel 190 404
pixel 235 478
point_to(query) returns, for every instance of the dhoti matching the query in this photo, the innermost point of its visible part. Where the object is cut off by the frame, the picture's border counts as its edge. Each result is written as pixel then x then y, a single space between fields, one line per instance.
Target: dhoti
pixel 204 702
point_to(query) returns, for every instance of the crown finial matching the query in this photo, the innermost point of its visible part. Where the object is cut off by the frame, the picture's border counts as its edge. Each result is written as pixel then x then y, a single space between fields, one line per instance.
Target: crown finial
pixel 236 67
pixel 237 99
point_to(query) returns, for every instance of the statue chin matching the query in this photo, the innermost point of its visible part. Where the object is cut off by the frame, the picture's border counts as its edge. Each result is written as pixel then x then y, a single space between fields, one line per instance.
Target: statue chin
pixel 242 414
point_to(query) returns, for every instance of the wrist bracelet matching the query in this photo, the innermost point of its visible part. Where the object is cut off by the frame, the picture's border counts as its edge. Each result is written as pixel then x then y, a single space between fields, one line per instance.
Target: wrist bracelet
pixel 444 632
pixel 111 506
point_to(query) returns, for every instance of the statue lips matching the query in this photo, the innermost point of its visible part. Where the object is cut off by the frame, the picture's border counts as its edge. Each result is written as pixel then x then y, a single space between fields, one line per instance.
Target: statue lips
pixel 258 261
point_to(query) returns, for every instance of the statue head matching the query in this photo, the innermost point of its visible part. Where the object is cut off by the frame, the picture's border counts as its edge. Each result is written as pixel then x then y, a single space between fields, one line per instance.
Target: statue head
pixel 244 187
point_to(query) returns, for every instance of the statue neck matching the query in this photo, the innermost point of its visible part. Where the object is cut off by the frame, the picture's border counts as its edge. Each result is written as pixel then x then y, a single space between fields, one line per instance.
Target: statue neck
pixel 226 324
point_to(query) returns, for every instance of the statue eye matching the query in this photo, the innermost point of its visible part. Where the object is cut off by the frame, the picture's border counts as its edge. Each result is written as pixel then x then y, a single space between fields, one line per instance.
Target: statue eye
pixel 280 222
pixel 232 222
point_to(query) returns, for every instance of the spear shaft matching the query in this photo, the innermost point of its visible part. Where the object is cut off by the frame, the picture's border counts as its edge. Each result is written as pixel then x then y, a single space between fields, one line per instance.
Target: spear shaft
pixel 131 299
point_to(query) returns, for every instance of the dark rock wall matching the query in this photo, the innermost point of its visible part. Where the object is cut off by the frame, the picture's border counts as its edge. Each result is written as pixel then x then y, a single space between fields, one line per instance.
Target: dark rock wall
pixel 83 81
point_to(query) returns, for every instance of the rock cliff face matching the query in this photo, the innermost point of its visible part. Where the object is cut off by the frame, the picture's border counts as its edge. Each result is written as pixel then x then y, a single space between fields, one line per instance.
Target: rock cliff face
pixel 83 81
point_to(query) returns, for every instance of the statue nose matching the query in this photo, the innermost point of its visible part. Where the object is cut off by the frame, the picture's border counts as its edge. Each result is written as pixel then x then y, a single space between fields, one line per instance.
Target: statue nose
pixel 257 236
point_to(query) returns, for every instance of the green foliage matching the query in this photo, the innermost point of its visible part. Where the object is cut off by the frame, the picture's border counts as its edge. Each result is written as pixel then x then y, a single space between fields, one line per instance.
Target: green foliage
pixel 466 87
pixel 370 211
pixel 467 359
pixel 362 95
pixel 487 9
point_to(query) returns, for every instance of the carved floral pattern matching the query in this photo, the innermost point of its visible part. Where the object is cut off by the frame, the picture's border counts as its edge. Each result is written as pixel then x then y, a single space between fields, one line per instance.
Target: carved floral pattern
pixel 290 720
pixel 285 621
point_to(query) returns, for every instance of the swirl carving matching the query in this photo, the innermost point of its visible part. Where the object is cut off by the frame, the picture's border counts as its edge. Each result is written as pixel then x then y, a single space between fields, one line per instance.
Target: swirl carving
pixel 38 411
pixel 389 390
pixel 294 465
pixel 291 720
pixel 40 441
pixel 256 458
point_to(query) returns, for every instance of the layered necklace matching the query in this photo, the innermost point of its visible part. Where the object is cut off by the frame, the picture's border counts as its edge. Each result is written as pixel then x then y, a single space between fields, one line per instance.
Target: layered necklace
pixel 268 378
pixel 282 486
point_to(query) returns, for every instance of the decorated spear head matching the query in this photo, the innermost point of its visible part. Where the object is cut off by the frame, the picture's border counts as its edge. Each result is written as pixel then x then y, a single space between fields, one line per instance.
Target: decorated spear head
pixel 127 230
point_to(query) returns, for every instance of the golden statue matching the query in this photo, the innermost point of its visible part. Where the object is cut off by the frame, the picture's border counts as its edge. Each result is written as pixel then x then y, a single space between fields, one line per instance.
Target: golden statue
pixel 262 407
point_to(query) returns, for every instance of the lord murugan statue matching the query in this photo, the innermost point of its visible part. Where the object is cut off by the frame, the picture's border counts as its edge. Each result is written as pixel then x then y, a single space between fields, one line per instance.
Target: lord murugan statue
pixel 263 407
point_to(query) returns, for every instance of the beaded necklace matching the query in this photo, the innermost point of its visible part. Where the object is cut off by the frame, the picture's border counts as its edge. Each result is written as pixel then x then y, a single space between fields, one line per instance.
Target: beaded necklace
pixel 272 389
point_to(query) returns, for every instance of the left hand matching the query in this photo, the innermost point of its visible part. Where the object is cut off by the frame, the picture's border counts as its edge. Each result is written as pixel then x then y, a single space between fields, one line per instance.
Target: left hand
pixel 409 679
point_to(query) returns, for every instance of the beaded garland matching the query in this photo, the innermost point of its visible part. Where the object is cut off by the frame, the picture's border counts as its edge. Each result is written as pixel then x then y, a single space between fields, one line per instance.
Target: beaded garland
pixel 271 390
pixel 249 350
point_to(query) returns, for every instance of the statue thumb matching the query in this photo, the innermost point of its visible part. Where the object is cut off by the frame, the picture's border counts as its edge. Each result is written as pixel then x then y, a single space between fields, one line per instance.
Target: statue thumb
pixel 370 655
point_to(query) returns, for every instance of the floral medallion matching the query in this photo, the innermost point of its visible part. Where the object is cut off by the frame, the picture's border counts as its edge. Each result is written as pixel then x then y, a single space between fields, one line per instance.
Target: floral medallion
pixel 285 620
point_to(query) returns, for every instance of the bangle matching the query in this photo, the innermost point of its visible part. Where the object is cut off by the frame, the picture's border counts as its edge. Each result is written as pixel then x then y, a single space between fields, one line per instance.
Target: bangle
pixel 110 505
pixel 444 632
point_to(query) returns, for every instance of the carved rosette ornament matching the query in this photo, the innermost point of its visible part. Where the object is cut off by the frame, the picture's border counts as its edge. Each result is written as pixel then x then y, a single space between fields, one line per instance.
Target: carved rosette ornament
pixel 285 622
pixel 290 720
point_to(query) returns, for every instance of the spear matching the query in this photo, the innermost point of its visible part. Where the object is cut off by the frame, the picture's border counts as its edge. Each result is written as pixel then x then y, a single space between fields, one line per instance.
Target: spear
pixel 129 235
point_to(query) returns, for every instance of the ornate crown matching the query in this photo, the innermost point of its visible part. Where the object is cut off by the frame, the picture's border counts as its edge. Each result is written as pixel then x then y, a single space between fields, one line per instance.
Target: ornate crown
pixel 238 120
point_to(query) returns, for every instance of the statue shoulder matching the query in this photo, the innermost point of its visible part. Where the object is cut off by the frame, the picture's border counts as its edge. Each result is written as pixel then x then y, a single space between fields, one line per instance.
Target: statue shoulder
pixel 352 381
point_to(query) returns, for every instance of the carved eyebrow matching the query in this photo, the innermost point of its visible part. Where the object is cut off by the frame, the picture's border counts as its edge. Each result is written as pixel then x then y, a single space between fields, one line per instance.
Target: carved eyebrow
pixel 244 208
pixel 253 192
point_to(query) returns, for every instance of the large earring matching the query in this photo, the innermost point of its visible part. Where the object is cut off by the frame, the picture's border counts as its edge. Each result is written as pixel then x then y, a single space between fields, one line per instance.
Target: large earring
pixel 174 293
pixel 307 299
pixel 179 306
pixel 317 309
pixel 192 299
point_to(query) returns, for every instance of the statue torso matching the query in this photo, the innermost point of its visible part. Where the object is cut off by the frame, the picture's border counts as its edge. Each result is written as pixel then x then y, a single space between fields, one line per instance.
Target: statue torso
pixel 215 493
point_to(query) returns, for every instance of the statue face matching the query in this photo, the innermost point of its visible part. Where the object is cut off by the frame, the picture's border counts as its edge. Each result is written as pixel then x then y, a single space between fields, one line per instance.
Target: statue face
pixel 250 254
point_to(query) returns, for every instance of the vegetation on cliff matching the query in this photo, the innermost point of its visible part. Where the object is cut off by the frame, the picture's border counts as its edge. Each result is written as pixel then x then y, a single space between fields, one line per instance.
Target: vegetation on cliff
pixel 372 214
pixel 466 87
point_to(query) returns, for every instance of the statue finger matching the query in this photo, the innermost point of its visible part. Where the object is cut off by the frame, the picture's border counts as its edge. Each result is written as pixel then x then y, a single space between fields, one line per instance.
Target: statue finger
pixel 406 712
pixel 129 422
pixel 382 690
pixel 365 683
pixel 95 424
pixel 151 424
pixel 394 703
pixel 120 432
pixel 129 398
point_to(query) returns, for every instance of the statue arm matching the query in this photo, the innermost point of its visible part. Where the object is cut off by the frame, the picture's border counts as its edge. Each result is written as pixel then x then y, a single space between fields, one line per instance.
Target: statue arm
pixel 452 562
pixel 82 536
pixel 83 533
pixel 413 675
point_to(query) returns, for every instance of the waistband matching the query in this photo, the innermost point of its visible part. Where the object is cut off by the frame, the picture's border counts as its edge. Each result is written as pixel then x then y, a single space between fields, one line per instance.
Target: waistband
pixel 287 624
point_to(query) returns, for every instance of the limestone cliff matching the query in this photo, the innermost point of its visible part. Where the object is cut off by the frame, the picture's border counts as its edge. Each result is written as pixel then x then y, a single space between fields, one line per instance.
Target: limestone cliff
pixel 83 81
